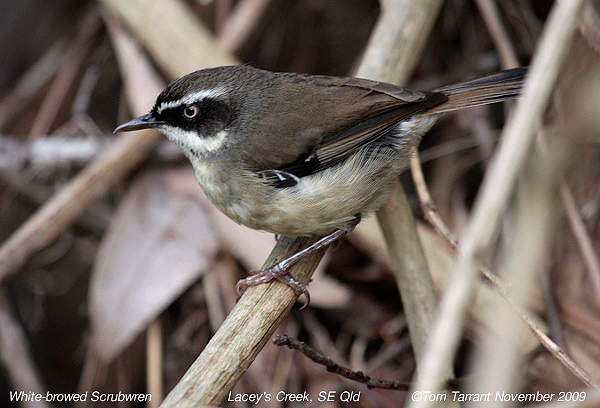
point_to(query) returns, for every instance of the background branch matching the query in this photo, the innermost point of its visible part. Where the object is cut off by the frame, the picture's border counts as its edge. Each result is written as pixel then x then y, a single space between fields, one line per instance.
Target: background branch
pixel 497 188
pixel 395 47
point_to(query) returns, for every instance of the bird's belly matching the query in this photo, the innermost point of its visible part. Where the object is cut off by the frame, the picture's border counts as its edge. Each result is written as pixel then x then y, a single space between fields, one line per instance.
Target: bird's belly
pixel 317 205
pixel 331 199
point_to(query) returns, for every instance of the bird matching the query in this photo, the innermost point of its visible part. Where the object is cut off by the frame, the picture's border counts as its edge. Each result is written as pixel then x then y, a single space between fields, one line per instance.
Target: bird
pixel 303 155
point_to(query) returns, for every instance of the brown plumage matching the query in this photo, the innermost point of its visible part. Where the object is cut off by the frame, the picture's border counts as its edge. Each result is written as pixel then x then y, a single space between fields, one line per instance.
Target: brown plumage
pixel 298 154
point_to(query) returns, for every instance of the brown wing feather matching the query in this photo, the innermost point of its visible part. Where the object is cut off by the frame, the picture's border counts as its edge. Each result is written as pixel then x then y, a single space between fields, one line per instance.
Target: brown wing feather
pixel 330 126
pixel 338 146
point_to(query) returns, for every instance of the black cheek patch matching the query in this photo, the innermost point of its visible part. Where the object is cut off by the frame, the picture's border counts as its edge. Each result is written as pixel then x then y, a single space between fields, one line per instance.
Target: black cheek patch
pixel 213 116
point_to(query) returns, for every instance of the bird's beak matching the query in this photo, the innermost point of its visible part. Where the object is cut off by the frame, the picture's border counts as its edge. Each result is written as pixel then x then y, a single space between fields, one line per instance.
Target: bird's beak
pixel 146 121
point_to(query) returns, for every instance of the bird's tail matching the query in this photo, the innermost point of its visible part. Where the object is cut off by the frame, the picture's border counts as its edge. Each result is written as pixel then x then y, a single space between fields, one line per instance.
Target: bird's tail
pixel 493 88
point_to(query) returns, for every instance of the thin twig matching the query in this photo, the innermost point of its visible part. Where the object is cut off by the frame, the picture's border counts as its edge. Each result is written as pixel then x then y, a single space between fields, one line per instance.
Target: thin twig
pixel 90 28
pixel 491 17
pixel 584 242
pixel 333 367
pixel 551 346
pixel 434 218
pixel 427 203
pixel 30 83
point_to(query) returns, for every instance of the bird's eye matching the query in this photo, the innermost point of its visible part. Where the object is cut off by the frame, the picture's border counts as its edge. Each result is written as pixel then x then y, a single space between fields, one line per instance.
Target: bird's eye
pixel 191 111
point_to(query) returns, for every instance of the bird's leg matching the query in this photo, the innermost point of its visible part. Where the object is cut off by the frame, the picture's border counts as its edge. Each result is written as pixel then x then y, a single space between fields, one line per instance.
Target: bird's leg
pixel 280 270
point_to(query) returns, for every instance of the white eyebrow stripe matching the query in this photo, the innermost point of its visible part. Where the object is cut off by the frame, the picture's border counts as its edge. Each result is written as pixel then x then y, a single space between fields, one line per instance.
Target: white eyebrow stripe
pixel 192 97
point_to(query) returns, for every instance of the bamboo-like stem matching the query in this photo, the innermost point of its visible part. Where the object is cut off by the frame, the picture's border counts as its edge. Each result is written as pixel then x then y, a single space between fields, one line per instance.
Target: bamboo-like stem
pixel 398 40
pixel 394 49
pixel 243 334
pixel 410 267
pixel 177 41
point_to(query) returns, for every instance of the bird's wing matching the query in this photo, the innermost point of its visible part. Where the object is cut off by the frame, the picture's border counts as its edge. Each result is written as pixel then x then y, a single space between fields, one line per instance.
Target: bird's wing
pixel 330 118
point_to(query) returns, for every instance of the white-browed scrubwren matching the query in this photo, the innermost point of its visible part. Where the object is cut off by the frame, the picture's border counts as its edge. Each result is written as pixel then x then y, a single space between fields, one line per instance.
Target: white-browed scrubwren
pixel 301 155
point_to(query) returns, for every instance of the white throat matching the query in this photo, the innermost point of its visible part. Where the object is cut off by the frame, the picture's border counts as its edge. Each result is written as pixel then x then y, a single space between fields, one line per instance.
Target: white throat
pixel 192 142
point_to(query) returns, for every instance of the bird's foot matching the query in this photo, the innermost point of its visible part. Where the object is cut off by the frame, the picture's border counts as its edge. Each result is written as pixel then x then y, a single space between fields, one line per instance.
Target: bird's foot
pixel 277 271
pixel 280 271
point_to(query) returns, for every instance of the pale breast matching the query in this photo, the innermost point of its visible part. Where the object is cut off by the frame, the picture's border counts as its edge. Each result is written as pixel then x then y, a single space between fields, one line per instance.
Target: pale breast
pixel 332 199
pixel 318 204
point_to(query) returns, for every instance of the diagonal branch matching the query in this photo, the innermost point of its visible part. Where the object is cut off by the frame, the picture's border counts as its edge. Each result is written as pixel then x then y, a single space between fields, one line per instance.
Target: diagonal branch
pixel 496 190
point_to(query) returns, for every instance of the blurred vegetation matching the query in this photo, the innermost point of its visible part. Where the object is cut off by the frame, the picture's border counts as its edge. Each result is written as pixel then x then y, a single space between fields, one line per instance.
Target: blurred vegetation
pixel 62 82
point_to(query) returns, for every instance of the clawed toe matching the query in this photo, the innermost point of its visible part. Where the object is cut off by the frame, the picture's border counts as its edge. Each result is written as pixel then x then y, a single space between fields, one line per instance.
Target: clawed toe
pixel 270 274
pixel 280 271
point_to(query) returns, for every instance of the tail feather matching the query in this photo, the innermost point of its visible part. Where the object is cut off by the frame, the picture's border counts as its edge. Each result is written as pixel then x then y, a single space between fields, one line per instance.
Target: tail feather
pixel 493 88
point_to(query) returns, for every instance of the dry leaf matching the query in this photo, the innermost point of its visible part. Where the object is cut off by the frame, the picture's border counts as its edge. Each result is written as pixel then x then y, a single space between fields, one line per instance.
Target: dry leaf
pixel 159 242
